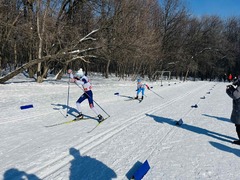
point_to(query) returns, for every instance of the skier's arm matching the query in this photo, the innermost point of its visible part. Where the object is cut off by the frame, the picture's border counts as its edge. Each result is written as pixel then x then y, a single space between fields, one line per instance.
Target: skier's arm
pixel 233 92
pixel 70 75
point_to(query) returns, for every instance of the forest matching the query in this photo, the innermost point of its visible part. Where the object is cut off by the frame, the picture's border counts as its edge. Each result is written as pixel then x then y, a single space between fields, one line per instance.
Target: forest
pixel 137 38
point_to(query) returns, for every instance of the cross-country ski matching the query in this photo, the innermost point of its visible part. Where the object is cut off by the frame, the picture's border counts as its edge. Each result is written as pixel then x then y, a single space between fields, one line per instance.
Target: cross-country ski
pixel 67 122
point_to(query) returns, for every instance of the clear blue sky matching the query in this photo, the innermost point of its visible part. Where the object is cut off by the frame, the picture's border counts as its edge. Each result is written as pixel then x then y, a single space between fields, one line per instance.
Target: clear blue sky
pixel 222 8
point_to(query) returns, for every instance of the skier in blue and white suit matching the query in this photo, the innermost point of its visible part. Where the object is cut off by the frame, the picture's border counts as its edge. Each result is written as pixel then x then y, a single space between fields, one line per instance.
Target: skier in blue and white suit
pixel 81 79
pixel 141 88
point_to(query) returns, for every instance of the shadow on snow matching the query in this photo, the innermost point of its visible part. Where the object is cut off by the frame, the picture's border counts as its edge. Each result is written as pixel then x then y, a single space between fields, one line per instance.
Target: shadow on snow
pixel 15 174
pixel 218 118
pixel 81 168
pixel 69 110
pixel 194 129
pixel 226 148
pixel 85 167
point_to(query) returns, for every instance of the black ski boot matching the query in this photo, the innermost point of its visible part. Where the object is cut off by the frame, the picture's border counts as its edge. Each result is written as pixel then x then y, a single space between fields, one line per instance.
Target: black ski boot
pixel 136 97
pixel 100 118
pixel 236 142
pixel 80 116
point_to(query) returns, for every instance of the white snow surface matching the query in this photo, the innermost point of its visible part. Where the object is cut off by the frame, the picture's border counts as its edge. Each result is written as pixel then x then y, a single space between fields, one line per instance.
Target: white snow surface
pixel 35 145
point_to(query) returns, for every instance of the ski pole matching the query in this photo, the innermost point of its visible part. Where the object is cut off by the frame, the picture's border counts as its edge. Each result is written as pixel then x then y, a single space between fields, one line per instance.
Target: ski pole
pixel 93 100
pixel 156 94
pixel 68 96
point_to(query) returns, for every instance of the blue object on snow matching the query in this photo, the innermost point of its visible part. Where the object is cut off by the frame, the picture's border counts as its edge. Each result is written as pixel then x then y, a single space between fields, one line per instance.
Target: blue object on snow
pixel 131 171
pixel 116 93
pixel 143 169
pixel 26 106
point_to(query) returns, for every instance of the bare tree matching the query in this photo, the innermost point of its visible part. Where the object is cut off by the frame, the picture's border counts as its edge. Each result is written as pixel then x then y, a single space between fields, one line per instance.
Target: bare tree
pixel 174 20
pixel 64 54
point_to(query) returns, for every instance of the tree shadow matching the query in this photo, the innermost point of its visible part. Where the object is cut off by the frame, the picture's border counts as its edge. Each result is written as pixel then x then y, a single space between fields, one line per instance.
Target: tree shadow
pixel 70 110
pixel 194 129
pixel 85 167
pixel 218 118
pixel 10 81
pixel 15 174
pixel 226 148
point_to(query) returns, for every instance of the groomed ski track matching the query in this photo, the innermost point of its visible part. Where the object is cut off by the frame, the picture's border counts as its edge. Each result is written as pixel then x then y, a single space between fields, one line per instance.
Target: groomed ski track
pixel 130 137
pixel 147 144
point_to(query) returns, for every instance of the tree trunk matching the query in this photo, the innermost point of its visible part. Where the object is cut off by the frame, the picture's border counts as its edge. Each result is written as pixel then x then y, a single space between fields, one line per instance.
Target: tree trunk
pixel 107 69
pixel 41 33
pixel 22 68
pixel 185 78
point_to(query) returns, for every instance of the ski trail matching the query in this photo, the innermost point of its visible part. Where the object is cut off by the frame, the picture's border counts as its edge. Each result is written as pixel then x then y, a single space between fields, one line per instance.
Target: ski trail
pixel 88 144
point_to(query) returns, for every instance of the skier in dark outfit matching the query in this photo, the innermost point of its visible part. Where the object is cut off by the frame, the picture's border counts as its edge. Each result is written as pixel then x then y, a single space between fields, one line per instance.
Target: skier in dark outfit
pixel 234 92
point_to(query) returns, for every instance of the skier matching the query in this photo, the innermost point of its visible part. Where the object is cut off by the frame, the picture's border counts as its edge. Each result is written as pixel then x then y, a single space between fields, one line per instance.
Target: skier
pixel 234 92
pixel 230 77
pixel 82 79
pixel 141 88
pixel 225 77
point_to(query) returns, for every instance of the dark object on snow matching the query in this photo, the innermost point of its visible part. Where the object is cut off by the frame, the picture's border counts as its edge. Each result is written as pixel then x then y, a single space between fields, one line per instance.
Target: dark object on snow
pixel 26 106
pixel 194 106
pixel 208 92
pixel 203 97
pixel 236 142
pixel 179 123
pixel 116 94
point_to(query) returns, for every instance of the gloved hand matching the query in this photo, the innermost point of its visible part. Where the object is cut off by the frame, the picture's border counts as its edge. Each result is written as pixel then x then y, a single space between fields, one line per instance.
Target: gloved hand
pixel 230 88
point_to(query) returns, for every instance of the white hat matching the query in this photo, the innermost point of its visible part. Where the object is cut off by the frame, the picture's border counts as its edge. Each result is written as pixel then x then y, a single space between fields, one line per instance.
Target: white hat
pixel 80 73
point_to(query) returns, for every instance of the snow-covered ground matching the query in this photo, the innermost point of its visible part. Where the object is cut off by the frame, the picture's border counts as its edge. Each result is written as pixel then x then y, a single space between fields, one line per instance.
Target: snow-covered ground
pixel 35 145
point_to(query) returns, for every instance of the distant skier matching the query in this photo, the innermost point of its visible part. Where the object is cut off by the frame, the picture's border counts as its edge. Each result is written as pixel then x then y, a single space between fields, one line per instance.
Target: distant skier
pixel 141 88
pixel 225 77
pixel 81 79
pixel 234 92
pixel 230 77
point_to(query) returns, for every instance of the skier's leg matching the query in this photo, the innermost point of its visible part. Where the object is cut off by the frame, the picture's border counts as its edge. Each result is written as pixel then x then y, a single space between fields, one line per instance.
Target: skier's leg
pixel 90 101
pixel 238 133
pixel 78 104
pixel 100 118
pixel 143 90
pixel 238 130
pixel 91 105
pixel 138 91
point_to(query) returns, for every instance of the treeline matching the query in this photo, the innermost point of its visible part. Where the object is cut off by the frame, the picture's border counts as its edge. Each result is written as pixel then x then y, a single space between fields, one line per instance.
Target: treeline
pixel 124 37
